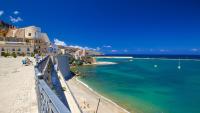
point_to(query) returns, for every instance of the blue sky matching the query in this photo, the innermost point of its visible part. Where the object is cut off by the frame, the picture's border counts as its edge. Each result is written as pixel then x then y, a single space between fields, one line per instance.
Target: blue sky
pixel 113 26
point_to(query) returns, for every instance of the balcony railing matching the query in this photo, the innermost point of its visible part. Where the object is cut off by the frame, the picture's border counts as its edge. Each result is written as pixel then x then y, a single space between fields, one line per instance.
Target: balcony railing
pixel 48 102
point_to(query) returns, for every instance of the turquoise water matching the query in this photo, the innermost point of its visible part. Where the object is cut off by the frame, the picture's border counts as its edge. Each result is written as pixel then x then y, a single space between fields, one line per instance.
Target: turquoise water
pixel 139 86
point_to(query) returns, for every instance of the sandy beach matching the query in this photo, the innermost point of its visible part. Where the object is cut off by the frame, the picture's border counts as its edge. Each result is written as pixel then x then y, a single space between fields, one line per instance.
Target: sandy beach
pixel 88 100
pixel 117 57
pixel 104 63
pixel 101 63
pixel 17 85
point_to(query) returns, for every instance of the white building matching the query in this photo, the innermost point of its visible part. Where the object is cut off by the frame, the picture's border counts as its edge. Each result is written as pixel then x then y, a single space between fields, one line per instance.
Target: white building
pixel 79 54
pixel 28 40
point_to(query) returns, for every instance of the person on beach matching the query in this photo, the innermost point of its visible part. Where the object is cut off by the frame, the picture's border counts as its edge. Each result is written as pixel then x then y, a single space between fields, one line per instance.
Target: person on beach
pixel 27 62
pixel 37 58
pixel 23 61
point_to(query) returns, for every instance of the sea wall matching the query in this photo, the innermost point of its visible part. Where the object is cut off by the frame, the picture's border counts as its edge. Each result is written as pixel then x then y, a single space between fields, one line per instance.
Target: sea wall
pixel 63 65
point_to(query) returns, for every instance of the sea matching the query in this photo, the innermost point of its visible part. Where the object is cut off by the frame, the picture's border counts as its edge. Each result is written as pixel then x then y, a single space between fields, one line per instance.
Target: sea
pixel 148 83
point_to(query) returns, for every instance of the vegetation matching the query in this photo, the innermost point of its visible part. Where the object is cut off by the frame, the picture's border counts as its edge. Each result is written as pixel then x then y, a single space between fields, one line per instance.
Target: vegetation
pixel 88 60
pixel 36 51
pixel 78 62
pixel 32 54
pixel 5 54
pixel 74 70
pixel 2 53
pixel 63 88
pixel 14 55
pixel 75 63
pixel 71 59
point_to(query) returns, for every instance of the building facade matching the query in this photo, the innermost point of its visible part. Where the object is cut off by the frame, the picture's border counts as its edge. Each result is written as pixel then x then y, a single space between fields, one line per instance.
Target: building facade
pixel 25 40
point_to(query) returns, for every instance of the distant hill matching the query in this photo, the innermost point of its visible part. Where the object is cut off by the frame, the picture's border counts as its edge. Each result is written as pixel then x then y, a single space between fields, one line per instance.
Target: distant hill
pixel 72 50
pixel 93 53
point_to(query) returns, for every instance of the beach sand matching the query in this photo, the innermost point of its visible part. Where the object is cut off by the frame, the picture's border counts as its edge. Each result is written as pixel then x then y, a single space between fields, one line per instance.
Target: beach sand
pixel 100 63
pixel 17 85
pixel 88 100
pixel 104 63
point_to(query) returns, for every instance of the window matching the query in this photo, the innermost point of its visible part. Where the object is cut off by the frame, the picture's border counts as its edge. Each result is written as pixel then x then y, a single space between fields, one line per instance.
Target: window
pixel 28 49
pixel 19 49
pixel 13 49
pixel 29 34
pixel 2 49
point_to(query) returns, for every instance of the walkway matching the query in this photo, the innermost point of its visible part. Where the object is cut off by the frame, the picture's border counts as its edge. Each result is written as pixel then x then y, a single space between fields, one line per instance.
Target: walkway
pixel 17 86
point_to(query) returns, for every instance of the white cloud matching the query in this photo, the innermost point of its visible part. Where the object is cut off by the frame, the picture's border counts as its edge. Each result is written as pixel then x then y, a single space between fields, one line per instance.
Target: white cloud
pixel 16 12
pixel 86 48
pixel 164 50
pixel 98 49
pixel 113 51
pixel 125 50
pixel 1 12
pixel 62 43
pixel 107 46
pixel 79 47
pixel 15 20
pixel 58 42
pixel 194 49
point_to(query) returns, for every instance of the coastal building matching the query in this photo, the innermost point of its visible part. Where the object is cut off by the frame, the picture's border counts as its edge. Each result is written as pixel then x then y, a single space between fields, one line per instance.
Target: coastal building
pixel 67 50
pixel 92 53
pixel 24 41
pixel 19 48
pixel 53 49
pixel 79 54
pixel 4 27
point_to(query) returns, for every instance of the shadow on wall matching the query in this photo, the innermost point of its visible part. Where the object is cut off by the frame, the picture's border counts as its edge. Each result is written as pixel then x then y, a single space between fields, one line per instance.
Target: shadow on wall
pixel 63 65
pixel 58 88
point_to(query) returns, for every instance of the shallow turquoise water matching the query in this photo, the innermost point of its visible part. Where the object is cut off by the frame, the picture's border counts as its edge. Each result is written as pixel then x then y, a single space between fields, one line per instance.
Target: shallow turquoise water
pixel 139 86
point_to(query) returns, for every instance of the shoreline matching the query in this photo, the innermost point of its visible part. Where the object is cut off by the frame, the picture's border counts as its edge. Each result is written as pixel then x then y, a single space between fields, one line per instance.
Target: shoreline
pixel 85 95
pixel 101 96
pixel 185 59
pixel 166 59
pixel 122 57
pixel 109 100
pixel 101 63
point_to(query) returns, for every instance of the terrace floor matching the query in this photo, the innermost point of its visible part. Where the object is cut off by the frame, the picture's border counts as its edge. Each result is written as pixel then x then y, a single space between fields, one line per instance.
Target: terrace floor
pixel 17 87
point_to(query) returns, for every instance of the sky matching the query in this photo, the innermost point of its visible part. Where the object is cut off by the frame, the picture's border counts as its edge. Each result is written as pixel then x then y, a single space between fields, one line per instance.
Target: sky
pixel 113 26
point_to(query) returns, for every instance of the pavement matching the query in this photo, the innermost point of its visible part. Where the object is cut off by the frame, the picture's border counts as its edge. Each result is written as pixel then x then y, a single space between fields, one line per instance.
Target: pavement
pixel 17 86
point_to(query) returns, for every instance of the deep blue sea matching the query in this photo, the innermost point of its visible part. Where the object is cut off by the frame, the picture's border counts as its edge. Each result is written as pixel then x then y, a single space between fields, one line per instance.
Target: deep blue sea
pixel 148 85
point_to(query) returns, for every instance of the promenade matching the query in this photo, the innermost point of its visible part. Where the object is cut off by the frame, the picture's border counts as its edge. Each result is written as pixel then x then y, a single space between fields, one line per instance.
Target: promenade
pixel 17 86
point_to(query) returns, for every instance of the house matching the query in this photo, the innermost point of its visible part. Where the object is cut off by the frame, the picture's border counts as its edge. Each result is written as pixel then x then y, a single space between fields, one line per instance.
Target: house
pixel 24 41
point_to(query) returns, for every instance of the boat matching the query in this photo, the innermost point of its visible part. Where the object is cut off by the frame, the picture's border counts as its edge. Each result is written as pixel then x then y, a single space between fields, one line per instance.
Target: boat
pixel 179 64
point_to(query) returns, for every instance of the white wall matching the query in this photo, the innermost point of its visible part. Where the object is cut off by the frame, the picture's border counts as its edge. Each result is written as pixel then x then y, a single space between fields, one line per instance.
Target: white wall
pixel 32 32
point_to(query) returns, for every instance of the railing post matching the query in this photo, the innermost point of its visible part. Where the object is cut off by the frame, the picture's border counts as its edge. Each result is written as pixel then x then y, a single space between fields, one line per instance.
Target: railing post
pixel 48 102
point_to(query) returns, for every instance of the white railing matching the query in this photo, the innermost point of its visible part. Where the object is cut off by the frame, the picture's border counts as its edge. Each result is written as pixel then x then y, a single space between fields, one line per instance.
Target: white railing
pixel 48 102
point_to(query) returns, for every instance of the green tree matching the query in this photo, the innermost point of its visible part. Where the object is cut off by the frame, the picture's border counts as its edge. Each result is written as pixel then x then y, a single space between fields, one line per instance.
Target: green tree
pixel 14 55
pixel 2 53
pixel 32 54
